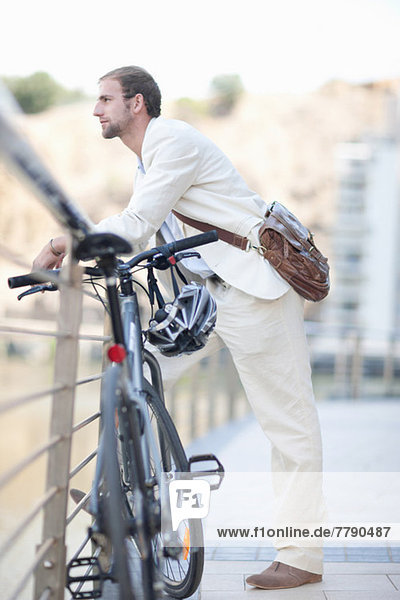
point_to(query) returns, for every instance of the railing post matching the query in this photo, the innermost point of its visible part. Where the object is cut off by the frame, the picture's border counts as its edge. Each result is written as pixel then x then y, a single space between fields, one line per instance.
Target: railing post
pixel 388 365
pixel 193 404
pixel 51 571
pixel 213 387
pixel 231 390
pixel 356 366
pixel 340 366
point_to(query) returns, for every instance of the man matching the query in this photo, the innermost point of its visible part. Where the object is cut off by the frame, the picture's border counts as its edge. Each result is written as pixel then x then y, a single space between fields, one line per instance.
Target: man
pixel 260 318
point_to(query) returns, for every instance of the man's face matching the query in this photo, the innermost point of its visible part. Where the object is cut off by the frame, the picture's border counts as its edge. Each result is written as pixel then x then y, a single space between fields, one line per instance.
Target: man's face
pixel 112 109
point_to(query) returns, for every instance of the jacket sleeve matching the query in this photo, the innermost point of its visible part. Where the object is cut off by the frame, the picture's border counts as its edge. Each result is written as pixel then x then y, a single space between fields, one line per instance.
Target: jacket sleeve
pixel 172 169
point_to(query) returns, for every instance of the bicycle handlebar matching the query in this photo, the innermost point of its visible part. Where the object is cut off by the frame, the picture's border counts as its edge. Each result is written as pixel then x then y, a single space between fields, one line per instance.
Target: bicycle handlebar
pixel 30 278
pixel 177 246
pixel 171 248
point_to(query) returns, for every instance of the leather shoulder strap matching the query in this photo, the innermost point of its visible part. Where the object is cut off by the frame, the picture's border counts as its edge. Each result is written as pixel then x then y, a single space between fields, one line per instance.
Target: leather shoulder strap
pixel 226 236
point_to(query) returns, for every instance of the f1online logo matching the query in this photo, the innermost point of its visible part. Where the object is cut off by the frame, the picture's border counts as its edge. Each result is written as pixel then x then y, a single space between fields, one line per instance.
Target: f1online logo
pixel 189 499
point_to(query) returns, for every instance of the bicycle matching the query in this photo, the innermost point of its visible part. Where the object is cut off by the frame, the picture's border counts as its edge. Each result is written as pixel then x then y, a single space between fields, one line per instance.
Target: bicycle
pixel 131 466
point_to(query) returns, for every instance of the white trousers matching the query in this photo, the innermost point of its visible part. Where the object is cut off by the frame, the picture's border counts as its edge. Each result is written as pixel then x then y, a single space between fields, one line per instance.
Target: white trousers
pixel 267 342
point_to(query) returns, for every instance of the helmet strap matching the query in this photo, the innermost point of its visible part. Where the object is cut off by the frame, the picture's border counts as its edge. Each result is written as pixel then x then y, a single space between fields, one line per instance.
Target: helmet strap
pixel 181 275
pixel 154 290
pixel 174 282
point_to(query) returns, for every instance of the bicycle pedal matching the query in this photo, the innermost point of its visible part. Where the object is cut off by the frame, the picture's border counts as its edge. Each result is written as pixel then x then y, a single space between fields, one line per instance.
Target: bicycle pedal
pixel 219 472
pixel 75 582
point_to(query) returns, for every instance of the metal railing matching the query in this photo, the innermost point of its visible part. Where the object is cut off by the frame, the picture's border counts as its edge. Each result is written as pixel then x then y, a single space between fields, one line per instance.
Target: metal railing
pixel 46 571
pixel 351 363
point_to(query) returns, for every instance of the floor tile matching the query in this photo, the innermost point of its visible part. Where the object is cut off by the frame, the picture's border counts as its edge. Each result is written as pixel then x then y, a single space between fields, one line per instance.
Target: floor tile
pixel 365 595
pixel 227 582
pixel 395 577
pixel 361 567
pixel 304 592
pixel 229 566
pixel 221 595
pixel 297 594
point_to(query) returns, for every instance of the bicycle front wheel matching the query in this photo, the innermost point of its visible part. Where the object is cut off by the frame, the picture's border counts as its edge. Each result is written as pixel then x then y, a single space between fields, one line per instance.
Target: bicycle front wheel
pixel 182 572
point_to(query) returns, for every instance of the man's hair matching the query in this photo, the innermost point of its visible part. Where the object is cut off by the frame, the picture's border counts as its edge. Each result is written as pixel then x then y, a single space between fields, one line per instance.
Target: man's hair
pixel 135 80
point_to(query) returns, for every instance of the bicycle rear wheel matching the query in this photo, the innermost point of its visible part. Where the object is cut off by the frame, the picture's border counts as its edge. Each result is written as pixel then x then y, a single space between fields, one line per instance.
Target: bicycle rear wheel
pixel 181 574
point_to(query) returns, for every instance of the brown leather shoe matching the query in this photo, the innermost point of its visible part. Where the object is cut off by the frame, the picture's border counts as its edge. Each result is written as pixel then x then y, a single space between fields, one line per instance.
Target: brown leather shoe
pixel 279 576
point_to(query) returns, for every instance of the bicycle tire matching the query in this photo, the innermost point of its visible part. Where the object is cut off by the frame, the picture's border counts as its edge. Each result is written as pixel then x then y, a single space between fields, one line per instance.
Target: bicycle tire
pixel 181 577
pixel 112 498
pixel 141 507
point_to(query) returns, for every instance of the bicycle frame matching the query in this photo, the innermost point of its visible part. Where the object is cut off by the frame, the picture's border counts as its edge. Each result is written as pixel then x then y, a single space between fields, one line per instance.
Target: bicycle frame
pixel 125 320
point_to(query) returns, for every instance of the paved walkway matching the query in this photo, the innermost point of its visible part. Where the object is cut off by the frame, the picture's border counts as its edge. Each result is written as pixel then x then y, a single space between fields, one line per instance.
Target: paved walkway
pixel 358 436
pixel 225 580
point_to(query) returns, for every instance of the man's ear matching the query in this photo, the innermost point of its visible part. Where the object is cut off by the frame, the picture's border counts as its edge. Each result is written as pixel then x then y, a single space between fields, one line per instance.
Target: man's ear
pixel 137 104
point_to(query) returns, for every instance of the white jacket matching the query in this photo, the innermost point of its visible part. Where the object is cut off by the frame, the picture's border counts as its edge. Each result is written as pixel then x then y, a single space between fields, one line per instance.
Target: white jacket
pixel 187 171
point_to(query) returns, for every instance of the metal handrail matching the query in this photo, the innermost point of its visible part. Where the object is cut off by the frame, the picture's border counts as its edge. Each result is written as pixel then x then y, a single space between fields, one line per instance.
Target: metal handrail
pixel 89 379
pixel 56 334
pixel 19 467
pixel 17 402
pixel 12 538
pixel 85 422
pixel 94 338
pixel 29 331
pixel 46 594
pixel 83 464
pixel 22 400
pixel 60 439
pixel 31 569
pixel 78 508
pixel 82 545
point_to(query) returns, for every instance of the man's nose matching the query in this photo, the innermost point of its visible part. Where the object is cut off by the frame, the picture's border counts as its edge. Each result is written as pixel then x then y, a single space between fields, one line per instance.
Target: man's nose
pixel 97 112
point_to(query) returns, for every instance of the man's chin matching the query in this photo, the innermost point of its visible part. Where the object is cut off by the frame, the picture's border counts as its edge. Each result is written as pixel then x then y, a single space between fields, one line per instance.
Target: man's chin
pixel 108 135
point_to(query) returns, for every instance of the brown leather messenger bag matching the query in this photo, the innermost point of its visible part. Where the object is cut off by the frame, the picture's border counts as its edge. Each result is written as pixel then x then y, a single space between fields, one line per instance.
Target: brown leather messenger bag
pixel 287 245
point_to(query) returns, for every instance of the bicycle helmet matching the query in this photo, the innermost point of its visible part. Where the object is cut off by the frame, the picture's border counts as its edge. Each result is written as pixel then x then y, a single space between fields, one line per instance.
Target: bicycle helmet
pixel 185 325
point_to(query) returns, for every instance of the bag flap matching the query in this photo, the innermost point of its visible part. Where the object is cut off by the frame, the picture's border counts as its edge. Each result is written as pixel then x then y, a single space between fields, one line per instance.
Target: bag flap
pixel 278 217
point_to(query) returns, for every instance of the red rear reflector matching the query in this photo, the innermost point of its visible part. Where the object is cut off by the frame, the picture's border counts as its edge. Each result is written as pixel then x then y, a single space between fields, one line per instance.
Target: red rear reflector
pixel 172 260
pixel 116 353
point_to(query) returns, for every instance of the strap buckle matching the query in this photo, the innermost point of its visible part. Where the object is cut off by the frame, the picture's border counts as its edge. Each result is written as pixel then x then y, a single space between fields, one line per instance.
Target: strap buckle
pixel 259 249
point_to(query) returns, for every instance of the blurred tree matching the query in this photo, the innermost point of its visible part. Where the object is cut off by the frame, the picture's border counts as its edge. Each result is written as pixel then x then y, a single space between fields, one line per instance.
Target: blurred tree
pixel 39 91
pixel 225 92
pixel 189 109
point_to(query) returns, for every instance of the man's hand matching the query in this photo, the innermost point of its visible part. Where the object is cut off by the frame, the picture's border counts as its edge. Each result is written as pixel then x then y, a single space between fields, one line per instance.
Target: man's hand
pixel 51 255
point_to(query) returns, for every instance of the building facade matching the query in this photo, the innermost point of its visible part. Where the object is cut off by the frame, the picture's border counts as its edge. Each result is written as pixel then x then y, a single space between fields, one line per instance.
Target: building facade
pixel 365 242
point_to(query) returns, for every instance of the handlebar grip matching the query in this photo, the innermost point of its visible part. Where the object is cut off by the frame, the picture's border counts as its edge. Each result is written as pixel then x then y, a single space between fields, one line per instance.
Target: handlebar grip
pixel 29 279
pixel 195 240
